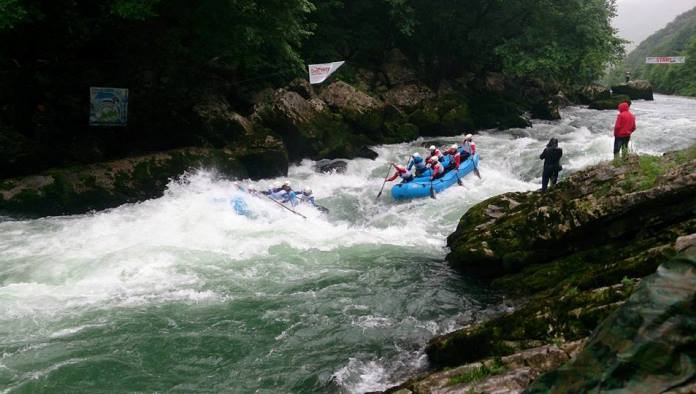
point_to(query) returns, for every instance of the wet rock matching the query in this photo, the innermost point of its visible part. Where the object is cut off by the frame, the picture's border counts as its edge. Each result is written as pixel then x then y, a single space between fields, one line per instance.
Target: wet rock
pixel 510 374
pixel 328 166
pixel 602 202
pixel 366 153
pixel 647 345
pixel 546 110
pixel 686 245
pixel 104 185
pixel 636 90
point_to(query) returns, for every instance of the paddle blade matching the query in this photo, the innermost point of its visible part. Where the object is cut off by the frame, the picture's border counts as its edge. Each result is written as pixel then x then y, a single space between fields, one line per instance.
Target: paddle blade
pixel 432 192
pixel 476 171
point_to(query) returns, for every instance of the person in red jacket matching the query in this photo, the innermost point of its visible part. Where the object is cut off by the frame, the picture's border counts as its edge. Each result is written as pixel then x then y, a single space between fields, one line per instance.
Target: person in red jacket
pixel 624 127
pixel 438 169
pixel 402 172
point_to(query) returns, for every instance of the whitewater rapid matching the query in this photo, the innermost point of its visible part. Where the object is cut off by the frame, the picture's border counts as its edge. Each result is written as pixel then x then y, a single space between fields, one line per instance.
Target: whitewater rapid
pixel 180 293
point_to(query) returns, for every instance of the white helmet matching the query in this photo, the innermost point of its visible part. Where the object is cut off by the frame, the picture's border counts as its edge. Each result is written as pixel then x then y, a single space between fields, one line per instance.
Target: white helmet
pixel 307 191
pixel 276 185
pixel 468 137
pixel 286 183
pixel 454 146
pixel 432 147
pixel 416 154
pixel 434 159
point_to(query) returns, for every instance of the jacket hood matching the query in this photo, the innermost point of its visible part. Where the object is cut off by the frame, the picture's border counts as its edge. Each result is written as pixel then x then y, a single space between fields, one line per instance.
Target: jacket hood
pixel 623 107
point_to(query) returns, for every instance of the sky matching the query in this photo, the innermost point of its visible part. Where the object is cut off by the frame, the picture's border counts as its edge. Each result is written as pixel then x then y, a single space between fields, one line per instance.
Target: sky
pixel 638 19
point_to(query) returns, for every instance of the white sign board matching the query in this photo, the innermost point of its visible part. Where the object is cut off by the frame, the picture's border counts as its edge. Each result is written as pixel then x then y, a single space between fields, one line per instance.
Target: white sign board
pixel 108 106
pixel 319 72
pixel 665 60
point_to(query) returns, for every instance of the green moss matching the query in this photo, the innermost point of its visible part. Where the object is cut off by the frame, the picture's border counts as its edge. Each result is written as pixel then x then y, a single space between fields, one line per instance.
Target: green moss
pixel 611 103
pixel 7 184
pixel 479 373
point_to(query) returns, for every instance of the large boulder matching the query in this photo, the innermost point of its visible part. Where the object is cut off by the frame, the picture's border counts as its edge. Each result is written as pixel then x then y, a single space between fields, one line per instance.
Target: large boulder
pixel 220 124
pixel 104 185
pixel 636 90
pixel 309 128
pixel 408 96
pixel 546 109
pixel 512 231
pixel 610 103
pixel 593 92
pixel 359 108
pixel 648 345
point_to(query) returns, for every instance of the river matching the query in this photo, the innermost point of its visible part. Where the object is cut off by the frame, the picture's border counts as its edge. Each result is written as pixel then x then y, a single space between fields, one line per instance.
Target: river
pixel 181 294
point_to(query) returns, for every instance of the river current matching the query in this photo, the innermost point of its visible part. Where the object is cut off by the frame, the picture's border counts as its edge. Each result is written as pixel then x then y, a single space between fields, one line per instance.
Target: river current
pixel 181 294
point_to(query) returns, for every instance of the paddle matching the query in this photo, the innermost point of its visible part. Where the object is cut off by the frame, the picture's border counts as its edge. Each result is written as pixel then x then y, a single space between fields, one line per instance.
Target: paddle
pixel 476 171
pixel 383 183
pixel 283 205
pixel 432 190
pixel 459 180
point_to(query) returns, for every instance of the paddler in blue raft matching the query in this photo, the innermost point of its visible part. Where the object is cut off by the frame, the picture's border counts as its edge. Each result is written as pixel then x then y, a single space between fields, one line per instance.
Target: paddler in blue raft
pixel 417 162
pixel 283 194
pixel 401 172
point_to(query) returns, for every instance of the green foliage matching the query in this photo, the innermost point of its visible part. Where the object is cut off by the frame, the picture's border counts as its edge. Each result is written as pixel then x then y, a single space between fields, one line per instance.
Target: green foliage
pixel 676 39
pixel 135 9
pixel 12 12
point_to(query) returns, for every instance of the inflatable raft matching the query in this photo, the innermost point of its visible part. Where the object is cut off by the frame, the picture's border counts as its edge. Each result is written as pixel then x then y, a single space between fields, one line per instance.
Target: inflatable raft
pixel 420 187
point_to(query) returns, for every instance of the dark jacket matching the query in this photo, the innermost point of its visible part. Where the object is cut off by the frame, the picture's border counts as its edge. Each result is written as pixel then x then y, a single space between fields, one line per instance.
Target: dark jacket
pixel 552 158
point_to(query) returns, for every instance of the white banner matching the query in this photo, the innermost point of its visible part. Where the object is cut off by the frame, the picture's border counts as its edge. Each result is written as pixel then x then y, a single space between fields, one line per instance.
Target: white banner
pixel 319 72
pixel 665 60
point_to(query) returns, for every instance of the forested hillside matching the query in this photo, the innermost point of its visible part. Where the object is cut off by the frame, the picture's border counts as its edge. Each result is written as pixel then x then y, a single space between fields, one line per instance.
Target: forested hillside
pixel 677 39
pixel 174 54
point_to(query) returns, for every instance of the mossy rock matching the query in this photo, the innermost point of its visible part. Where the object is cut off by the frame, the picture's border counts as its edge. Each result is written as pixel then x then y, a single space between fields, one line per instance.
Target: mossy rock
pixel 427 120
pixel 458 119
pixel 99 186
pixel 611 103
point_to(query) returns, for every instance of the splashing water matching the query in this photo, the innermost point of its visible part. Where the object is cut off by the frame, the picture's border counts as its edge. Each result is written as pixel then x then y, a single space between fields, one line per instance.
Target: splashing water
pixel 180 293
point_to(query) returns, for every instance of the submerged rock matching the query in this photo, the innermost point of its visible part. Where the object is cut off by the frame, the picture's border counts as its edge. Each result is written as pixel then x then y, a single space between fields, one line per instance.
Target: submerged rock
pixel 636 90
pixel 326 166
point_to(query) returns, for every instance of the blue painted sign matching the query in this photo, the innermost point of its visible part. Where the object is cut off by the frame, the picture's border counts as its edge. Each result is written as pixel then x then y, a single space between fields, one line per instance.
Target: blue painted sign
pixel 108 106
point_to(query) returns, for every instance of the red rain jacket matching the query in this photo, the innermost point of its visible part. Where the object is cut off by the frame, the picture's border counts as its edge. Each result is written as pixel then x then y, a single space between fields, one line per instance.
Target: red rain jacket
pixel 625 122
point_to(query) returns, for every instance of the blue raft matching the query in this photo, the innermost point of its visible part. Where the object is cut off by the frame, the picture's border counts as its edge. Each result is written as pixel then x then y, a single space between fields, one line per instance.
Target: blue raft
pixel 420 187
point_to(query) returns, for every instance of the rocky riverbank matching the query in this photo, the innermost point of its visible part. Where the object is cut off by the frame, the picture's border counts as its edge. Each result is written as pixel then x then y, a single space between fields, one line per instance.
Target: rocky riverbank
pixel 573 257
pixel 277 127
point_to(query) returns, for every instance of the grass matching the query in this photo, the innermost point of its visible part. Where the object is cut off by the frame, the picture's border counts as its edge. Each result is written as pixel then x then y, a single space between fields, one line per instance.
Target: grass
pixel 650 168
pixel 479 373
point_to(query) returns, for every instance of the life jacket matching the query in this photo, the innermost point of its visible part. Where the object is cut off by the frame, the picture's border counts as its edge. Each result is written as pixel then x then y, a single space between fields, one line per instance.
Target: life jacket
pixel 468 148
pixel 437 170
pixel 404 173
pixel 417 162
